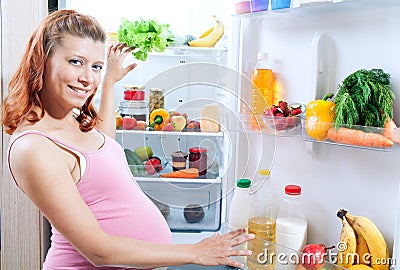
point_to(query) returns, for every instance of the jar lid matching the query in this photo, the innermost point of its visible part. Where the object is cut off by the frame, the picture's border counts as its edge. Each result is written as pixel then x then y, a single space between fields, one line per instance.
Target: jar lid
pixel 133 95
pixel 264 172
pixel 243 183
pixel 197 150
pixel 134 87
pixel 293 190
pixel 179 154
pixel 156 90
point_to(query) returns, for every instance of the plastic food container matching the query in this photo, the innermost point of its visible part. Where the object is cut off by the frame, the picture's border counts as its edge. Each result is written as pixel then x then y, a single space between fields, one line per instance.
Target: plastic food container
pixel 134 108
pixel 259 5
pixel 278 4
pixel 242 7
pixel 179 160
pixel 133 92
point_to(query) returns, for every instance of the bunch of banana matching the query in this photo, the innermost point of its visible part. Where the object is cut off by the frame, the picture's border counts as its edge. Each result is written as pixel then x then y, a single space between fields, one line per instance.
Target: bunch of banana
pixel 363 241
pixel 210 37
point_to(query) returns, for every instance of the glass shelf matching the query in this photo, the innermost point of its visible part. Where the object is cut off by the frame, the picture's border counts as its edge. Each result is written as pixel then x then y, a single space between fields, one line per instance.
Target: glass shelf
pixel 321 8
pixel 170 133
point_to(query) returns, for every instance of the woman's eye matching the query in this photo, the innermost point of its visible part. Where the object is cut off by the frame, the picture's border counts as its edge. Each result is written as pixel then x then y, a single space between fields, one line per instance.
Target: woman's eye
pixel 97 67
pixel 75 62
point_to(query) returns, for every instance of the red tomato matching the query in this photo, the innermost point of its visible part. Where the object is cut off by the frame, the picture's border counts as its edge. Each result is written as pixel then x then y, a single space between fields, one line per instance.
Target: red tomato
pixel 128 122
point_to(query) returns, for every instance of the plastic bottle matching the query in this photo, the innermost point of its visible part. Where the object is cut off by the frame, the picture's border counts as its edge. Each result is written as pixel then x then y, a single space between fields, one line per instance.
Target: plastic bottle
pixel 263 84
pixel 262 221
pixel 291 224
pixel 240 205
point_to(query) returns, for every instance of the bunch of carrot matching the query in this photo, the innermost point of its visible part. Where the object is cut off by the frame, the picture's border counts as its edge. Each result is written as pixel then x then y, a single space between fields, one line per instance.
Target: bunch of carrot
pixel 365 139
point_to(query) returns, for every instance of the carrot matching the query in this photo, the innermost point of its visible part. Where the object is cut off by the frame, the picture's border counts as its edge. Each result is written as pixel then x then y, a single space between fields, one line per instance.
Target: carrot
pixel 358 138
pixel 390 131
pixel 185 173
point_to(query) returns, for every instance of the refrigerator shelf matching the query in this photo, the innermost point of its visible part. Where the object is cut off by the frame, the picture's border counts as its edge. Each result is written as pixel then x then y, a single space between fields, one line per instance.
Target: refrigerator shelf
pixel 340 6
pixel 170 133
pixel 247 123
pixel 374 137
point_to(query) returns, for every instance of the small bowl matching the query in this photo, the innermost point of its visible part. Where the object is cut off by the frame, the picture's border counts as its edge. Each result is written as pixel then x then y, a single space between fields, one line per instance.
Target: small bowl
pixel 283 124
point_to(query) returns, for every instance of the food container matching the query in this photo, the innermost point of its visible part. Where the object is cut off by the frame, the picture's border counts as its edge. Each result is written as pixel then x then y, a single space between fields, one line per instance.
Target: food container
pixel 259 5
pixel 156 99
pixel 285 125
pixel 134 92
pixel 147 170
pixel 134 108
pixel 179 160
pixel 198 159
pixel 242 7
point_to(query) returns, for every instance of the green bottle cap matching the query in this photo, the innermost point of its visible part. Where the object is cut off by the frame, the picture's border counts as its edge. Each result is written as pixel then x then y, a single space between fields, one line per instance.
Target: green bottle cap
pixel 243 183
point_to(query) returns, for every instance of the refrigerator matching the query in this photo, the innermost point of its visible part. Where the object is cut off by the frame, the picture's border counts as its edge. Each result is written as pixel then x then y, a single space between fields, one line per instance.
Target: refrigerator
pixel 314 46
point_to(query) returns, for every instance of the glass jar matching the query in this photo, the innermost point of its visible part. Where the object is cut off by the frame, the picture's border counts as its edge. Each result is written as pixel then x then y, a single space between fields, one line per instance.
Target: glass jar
pixel 134 92
pixel 179 160
pixel 198 159
pixel 156 99
pixel 134 108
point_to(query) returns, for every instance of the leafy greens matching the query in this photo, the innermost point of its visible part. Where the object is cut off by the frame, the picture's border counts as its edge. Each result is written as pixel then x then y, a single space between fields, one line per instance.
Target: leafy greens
pixel 364 98
pixel 145 36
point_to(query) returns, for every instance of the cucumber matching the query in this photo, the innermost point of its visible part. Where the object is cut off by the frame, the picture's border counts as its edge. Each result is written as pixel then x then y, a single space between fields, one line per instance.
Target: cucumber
pixel 132 158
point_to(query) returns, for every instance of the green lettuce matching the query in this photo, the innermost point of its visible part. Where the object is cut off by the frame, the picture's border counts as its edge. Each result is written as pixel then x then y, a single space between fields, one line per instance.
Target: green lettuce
pixel 145 36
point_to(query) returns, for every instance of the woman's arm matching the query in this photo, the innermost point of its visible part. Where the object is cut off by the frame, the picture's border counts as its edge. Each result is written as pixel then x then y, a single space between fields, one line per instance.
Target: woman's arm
pixel 46 179
pixel 114 72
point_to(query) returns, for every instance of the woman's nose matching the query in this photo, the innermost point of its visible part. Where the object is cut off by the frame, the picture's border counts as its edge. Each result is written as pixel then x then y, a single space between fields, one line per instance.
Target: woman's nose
pixel 87 77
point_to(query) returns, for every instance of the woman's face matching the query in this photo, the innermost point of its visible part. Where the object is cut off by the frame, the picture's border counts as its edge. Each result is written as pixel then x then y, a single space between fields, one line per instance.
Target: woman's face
pixel 72 73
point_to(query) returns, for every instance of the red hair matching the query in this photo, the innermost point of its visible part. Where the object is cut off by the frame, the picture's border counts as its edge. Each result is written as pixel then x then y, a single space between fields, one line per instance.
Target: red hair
pixel 27 81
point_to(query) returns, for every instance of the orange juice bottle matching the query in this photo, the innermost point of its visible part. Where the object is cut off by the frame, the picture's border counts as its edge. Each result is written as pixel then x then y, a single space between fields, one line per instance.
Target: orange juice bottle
pixel 263 84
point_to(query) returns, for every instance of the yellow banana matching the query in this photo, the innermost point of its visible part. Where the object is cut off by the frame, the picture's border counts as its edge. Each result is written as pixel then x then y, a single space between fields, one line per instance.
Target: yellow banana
pixel 362 250
pixel 347 245
pixel 360 267
pixel 210 37
pixel 206 33
pixel 377 246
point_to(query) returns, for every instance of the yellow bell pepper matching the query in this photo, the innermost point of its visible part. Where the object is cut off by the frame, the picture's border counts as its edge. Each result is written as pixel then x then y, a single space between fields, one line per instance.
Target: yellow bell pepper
pixel 319 117
pixel 158 118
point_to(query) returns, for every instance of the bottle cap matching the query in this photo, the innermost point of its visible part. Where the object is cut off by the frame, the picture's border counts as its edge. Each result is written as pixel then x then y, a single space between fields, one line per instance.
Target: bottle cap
pixel 293 190
pixel 243 183
pixel 198 150
pixel 264 172
pixel 262 55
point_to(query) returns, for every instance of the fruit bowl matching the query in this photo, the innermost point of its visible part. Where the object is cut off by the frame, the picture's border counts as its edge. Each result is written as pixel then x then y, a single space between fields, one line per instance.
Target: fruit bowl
pixel 282 121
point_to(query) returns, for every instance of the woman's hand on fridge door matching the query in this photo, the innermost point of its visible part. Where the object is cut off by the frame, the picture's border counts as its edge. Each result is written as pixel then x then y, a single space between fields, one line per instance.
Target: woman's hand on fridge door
pixel 218 249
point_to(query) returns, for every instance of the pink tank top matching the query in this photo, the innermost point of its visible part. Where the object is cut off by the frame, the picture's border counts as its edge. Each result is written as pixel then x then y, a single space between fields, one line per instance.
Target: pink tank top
pixel 115 199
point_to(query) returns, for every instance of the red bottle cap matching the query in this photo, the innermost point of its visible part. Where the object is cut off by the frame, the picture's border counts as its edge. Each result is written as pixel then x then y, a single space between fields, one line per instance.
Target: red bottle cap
pixel 197 150
pixel 293 190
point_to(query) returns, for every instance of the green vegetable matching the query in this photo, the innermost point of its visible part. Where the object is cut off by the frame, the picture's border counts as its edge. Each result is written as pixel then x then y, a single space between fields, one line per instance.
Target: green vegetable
pixel 132 158
pixel 145 36
pixel 143 152
pixel 364 98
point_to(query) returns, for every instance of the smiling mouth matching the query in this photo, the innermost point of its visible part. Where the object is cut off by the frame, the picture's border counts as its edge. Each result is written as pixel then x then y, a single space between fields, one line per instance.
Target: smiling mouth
pixel 79 91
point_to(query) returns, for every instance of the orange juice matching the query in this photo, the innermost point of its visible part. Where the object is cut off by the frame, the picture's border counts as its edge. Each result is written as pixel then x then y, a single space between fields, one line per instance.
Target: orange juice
pixel 263 84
